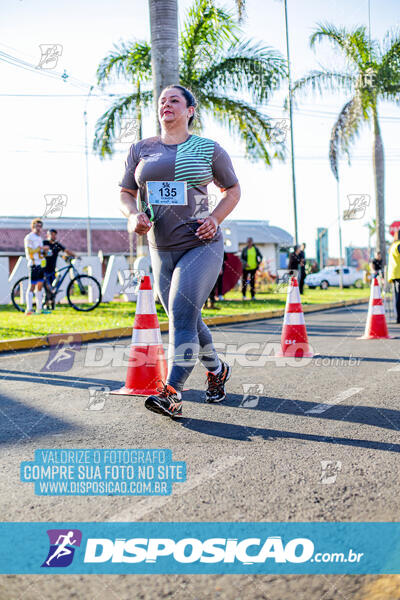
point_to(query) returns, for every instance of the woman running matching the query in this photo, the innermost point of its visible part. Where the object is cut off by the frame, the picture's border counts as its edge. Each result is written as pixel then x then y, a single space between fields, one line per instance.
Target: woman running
pixel 171 173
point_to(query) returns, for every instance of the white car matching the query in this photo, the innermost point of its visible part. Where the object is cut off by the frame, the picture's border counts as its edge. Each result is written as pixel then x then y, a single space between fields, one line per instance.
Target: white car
pixel 330 276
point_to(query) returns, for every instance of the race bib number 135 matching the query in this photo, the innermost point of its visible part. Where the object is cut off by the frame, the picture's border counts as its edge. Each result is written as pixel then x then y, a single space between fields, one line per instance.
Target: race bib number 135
pixel 167 193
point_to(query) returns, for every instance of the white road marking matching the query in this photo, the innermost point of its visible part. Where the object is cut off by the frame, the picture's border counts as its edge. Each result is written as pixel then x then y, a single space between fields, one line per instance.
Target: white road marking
pixel 321 408
pixel 155 502
pixel 396 368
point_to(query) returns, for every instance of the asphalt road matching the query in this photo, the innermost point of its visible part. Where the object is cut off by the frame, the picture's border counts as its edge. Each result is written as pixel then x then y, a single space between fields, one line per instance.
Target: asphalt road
pixel 318 442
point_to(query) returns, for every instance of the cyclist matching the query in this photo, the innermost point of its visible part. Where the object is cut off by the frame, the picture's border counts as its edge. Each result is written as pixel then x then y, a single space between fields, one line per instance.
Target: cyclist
pixel 54 248
pixel 172 172
pixel 35 255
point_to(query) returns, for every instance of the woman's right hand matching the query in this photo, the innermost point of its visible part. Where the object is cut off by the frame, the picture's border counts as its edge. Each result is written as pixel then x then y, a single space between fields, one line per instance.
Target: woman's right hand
pixel 139 223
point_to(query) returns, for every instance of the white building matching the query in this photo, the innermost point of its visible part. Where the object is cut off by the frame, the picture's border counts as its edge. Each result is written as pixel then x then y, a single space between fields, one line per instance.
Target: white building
pixel 268 239
pixel 111 237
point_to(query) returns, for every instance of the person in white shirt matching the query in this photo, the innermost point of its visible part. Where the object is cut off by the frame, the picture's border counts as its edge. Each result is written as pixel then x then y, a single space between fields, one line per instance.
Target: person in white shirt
pixel 35 254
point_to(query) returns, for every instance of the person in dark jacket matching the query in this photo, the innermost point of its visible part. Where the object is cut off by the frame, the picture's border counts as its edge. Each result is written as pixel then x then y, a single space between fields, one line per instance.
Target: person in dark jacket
pixel 302 267
pixel 376 265
pixel 294 259
pixel 251 258
pixel 53 249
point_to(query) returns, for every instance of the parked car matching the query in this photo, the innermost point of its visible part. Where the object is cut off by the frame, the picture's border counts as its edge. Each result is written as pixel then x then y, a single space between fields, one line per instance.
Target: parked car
pixel 329 276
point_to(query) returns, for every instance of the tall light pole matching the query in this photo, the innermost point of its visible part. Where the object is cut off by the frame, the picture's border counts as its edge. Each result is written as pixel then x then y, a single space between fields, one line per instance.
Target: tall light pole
pixel 340 235
pixel 88 225
pixel 369 22
pixel 291 126
pixel 321 254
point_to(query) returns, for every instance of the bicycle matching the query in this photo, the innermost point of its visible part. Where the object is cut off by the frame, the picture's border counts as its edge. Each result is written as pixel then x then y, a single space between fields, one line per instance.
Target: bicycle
pixel 83 291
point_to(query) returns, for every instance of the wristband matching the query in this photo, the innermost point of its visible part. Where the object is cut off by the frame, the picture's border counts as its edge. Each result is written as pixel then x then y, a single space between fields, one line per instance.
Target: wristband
pixel 144 207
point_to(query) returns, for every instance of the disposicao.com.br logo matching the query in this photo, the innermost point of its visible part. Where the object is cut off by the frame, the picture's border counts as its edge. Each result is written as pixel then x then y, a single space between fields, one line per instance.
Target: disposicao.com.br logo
pixel 190 550
pixel 247 551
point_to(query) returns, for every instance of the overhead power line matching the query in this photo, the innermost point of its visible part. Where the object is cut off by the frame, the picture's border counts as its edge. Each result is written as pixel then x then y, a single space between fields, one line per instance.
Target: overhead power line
pixel 17 62
pixel 23 64
pixel 57 95
pixel 305 112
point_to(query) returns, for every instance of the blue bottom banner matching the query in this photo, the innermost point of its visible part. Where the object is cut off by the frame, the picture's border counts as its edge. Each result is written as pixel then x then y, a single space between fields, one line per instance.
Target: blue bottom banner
pixel 218 548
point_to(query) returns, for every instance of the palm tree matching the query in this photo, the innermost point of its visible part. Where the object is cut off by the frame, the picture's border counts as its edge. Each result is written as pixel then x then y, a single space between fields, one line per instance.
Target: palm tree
pixel 165 45
pixel 373 74
pixel 241 8
pixel 372 229
pixel 371 232
pixel 221 69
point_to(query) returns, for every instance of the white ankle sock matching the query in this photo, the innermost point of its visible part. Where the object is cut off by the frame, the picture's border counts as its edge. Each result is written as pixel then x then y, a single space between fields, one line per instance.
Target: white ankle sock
pixel 39 299
pixel 29 300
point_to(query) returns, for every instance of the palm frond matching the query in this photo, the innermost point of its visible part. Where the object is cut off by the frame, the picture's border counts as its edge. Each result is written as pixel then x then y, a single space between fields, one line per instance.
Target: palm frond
pixel 392 94
pixel 388 73
pixel 344 131
pixel 366 49
pixel 371 227
pixel 319 81
pixel 256 130
pixel 354 44
pixel 109 125
pixel 127 62
pixel 390 48
pixel 206 30
pixel 245 67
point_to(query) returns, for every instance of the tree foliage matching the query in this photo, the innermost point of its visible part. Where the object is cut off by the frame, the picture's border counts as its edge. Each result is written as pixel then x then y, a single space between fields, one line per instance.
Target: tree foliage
pixel 227 74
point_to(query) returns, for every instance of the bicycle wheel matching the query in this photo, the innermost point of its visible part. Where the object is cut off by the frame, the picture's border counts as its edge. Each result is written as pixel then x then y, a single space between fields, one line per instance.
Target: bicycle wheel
pixel 18 294
pixel 84 293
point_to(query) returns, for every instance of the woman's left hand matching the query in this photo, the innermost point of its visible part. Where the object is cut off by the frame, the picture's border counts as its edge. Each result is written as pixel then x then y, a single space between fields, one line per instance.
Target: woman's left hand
pixel 208 228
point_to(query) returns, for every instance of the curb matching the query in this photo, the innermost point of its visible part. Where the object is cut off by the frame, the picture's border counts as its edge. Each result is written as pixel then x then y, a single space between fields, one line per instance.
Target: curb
pixel 46 341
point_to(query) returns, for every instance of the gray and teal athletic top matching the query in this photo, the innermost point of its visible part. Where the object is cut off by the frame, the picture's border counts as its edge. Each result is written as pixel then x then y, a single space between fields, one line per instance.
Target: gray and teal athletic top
pixel 198 161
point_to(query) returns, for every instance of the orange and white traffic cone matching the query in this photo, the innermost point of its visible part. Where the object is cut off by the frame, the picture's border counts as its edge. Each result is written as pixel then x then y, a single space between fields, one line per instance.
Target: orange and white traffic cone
pixel 147 366
pixel 376 327
pixel 294 340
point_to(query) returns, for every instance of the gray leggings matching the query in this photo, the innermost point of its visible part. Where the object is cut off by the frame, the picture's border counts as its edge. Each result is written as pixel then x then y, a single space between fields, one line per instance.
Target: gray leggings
pixel 184 280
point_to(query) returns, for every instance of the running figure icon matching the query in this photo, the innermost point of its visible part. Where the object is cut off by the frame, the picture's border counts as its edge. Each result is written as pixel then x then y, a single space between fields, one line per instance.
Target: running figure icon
pixel 63 353
pixel 62 549
pixel 63 544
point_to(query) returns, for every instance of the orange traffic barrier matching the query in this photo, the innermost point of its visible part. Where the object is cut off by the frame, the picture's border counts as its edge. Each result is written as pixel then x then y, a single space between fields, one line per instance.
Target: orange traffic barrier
pixel 294 340
pixel 376 327
pixel 147 366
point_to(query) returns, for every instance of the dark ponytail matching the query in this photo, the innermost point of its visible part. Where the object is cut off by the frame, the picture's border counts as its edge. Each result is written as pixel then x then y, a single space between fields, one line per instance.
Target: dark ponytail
pixel 189 97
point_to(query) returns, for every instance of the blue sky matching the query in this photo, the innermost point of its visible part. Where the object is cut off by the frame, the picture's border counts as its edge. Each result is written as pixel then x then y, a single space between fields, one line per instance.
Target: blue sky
pixel 43 132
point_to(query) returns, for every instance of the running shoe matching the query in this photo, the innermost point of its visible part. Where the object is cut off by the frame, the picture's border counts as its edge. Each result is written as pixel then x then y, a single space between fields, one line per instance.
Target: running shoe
pixel 216 384
pixel 28 313
pixel 167 402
